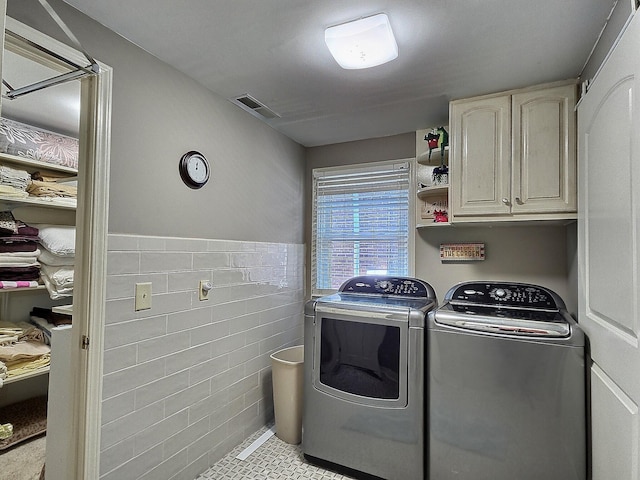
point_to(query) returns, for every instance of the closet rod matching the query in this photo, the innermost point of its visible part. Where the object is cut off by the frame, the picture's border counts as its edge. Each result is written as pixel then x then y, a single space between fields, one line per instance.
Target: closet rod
pixel 80 71
pixel 50 82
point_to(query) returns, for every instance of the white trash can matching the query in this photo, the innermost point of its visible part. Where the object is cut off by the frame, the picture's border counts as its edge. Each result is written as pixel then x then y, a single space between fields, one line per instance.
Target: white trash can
pixel 287 375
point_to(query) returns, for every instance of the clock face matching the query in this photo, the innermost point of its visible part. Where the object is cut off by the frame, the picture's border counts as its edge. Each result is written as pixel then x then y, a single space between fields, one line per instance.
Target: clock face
pixel 197 169
pixel 194 169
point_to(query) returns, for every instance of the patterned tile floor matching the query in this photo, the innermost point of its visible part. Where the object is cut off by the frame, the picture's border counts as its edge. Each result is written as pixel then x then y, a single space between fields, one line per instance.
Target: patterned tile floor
pixel 273 460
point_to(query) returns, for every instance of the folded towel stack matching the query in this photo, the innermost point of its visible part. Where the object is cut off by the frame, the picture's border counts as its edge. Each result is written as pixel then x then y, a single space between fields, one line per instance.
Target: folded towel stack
pixel 57 258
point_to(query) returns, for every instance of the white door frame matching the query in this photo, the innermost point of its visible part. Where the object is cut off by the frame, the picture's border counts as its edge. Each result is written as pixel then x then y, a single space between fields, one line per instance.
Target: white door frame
pixel 91 255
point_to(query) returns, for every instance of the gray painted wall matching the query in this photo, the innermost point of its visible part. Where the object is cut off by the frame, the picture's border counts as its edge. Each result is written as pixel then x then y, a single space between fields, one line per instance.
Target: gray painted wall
pixel 533 254
pixel 165 233
pixel 159 114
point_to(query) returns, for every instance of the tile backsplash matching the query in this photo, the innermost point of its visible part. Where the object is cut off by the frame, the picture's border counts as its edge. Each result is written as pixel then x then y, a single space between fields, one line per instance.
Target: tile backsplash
pixel 187 380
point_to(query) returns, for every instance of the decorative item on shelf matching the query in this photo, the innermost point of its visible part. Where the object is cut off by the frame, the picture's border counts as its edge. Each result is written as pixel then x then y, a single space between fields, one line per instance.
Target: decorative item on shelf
pixel 440 216
pixel 443 141
pixel 437 138
pixel 432 140
pixel 440 175
pixel 435 206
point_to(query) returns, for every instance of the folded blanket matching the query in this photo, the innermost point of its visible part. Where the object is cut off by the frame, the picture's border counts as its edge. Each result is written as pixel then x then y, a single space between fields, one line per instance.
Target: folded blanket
pixel 9 191
pixel 50 258
pixel 38 188
pixel 26 365
pixel 33 254
pixel 14 177
pixel 43 325
pixel 19 284
pixel 19 273
pixel 29 349
pixel 18 245
pixel 56 292
pixel 19 261
pixel 24 140
pixel 8 339
pixel 22 330
pixel 60 276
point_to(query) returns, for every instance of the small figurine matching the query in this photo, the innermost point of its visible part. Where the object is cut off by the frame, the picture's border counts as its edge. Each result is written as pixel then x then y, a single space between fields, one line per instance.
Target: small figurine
pixel 437 138
pixel 443 141
pixel 440 175
pixel 440 216
pixel 432 139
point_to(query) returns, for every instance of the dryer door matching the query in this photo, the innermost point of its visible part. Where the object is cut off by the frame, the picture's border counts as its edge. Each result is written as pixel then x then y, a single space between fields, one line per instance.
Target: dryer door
pixel 361 356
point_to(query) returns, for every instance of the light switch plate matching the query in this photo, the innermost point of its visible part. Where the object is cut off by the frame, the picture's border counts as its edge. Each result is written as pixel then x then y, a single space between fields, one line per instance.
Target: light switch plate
pixel 143 296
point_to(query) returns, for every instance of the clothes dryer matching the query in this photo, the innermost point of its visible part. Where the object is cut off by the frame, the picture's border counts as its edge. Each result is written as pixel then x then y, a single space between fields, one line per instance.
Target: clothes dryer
pixel 364 385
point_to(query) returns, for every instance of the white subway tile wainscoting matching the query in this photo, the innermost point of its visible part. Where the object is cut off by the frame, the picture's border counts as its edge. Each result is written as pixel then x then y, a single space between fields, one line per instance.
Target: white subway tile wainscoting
pixel 188 380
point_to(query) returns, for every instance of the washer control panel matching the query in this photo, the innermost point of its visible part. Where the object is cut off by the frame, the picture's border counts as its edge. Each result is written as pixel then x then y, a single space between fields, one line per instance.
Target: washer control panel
pixel 411 287
pixel 505 294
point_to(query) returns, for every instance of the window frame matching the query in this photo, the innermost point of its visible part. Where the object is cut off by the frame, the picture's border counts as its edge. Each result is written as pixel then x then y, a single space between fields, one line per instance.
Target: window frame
pixel 359 167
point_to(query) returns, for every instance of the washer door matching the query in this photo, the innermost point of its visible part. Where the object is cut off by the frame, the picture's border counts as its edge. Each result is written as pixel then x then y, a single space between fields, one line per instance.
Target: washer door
pixel 361 356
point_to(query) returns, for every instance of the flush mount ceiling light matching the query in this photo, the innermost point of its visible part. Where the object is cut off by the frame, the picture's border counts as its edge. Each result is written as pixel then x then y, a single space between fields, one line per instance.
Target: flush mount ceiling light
pixel 363 43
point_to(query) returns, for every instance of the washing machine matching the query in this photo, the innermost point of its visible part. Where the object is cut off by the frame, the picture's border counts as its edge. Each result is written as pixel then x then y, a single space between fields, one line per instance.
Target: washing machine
pixel 364 377
pixel 507 398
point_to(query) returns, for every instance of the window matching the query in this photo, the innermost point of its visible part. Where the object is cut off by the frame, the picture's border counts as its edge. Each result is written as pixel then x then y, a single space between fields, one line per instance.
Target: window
pixel 361 223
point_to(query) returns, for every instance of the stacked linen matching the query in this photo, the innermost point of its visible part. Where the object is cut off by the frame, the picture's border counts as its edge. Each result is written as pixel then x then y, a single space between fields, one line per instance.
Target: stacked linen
pixel 19 266
pixel 57 258
pixel 14 182
pixel 52 188
pixel 22 349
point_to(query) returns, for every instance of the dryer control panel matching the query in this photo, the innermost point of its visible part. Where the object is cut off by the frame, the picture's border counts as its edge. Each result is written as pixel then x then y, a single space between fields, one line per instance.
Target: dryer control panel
pixel 384 285
pixel 505 294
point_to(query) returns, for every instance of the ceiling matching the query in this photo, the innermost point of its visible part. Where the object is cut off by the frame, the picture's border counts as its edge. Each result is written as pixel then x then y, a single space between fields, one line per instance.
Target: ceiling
pixel 274 51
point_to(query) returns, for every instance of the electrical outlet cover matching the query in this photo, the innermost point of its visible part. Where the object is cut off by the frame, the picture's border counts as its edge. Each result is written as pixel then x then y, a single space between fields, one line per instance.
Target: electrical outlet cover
pixel 143 296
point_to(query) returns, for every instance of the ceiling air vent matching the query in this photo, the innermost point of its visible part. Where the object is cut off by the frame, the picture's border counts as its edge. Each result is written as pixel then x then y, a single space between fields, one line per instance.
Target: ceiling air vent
pixel 253 106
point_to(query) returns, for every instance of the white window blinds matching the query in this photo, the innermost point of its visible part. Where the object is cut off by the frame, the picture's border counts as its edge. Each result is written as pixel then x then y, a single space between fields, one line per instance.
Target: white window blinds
pixel 360 223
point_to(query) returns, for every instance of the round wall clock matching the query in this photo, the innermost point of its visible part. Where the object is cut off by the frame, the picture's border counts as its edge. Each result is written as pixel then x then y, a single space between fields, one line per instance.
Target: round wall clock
pixel 194 169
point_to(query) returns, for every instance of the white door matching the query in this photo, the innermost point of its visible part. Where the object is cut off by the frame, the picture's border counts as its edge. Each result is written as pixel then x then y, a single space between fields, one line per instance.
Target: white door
pixel 608 249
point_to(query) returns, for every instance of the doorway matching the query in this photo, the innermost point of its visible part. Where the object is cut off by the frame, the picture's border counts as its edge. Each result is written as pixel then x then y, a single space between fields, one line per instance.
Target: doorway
pixel 73 449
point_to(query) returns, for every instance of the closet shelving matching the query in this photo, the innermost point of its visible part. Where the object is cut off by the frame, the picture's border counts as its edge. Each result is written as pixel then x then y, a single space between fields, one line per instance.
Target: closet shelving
pixel 31 165
pixel 11 203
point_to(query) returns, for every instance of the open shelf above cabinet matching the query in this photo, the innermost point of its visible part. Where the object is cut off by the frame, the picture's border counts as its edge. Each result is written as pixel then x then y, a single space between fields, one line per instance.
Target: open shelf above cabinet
pixel 432 193
pixel 433 157
pixel 436 157
pixel 438 190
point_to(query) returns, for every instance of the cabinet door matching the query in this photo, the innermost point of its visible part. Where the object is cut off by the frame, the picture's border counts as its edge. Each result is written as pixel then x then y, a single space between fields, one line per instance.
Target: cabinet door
pixel 480 156
pixel 544 150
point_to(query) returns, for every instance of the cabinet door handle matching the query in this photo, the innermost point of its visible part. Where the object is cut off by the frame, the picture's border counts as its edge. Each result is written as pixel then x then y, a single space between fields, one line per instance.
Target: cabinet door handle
pixel 505 200
pixel 519 201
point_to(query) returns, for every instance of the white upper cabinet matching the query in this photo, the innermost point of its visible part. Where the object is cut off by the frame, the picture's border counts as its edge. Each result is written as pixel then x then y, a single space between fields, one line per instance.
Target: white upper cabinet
pixel 513 155
pixel 480 145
